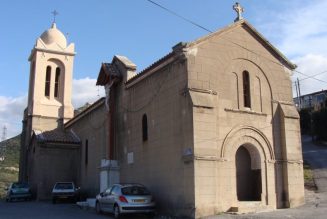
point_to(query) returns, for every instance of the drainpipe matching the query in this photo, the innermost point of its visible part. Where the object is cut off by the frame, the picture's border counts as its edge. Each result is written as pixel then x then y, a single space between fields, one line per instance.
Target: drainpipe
pixel 110 108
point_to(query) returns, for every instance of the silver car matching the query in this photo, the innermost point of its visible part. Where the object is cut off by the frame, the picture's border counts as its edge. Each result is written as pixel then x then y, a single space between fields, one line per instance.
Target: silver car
pixel 125 198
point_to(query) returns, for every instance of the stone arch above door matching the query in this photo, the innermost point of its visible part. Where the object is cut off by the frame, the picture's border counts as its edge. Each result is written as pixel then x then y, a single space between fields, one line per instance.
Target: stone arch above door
pixel 264 159
pixel 247 135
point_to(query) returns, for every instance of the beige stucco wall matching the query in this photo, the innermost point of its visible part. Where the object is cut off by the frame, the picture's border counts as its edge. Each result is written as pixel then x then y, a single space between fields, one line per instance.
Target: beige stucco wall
pixel 50 163
pixel 216 65
pixel 158 162
pixel 92 127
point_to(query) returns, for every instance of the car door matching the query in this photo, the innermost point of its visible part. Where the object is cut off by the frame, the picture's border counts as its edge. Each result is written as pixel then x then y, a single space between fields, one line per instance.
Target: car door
pixel 112 197
pixel 104 200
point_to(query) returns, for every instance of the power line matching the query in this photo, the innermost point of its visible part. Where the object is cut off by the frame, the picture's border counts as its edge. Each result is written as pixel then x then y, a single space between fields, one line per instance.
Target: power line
pixel 180 16
pixel 308 76
pixel 206 29
pixel 313 76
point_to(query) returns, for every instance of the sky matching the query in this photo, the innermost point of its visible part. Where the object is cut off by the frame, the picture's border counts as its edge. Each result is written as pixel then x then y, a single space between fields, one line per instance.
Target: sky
pixel 144 32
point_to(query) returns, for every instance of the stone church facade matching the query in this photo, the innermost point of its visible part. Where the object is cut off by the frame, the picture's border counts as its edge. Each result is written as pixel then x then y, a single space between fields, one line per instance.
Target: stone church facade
pixel 208 128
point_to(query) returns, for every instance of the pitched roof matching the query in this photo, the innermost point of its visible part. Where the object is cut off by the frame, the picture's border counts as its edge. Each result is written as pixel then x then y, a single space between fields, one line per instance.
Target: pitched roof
pixel 152 66
pixel 109 70
pixel 106 70
pixel 259 36
pixel 179 48
pixel 56 136
pixel 85 112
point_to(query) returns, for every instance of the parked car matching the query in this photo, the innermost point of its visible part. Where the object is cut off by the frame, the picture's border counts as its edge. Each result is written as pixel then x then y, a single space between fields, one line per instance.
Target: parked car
pixel 18 190
pixel 64 191
pixel 125 198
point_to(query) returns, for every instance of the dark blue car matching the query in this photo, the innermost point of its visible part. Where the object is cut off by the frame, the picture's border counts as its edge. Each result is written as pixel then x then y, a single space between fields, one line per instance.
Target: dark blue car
pixel 18 191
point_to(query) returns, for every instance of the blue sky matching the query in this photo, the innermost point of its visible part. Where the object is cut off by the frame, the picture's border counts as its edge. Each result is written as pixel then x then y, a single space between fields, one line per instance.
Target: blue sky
pixel 143 32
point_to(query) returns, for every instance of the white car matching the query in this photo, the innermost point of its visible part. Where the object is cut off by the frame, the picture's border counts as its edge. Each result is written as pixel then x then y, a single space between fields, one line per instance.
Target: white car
pixel 125 198
pixel 64 191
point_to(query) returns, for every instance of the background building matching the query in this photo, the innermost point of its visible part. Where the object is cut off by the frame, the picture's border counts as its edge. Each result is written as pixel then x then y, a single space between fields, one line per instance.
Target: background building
pixel 313 101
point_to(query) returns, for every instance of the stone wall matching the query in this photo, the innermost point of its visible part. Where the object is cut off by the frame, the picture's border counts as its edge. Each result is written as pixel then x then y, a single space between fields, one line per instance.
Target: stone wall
pixel 92 129
pixel 158 162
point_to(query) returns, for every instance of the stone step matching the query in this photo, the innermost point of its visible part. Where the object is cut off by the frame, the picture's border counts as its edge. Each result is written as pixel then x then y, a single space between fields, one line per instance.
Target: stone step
pixel 249 207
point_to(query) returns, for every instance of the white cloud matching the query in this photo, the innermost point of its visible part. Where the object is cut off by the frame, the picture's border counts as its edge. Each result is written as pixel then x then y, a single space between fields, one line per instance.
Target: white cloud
pixel 300 32
pixel 304 30
pixel 12 108
pixel 11 114
pixel 312 65
pixel 85 90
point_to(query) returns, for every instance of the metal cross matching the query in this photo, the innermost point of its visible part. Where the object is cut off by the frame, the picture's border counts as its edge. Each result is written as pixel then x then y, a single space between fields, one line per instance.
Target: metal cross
pixel 239 10
pixel 55 13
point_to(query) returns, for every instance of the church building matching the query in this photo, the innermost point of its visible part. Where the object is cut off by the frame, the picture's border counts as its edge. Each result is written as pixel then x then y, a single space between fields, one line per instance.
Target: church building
pixel 210 127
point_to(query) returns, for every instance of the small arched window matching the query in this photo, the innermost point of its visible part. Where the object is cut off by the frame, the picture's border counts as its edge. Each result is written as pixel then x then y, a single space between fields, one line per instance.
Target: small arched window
pixel 47 81
pixel 144 128
pixel 57 81
pixel 246 89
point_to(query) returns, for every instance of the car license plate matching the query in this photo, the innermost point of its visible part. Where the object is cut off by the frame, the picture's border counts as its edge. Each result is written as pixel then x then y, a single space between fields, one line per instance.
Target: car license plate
pixel 139 200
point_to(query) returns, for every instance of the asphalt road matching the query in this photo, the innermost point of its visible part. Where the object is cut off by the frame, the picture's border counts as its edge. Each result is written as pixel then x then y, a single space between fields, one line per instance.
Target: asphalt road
pixel 316 156
pixel 44 210
pixel 47 210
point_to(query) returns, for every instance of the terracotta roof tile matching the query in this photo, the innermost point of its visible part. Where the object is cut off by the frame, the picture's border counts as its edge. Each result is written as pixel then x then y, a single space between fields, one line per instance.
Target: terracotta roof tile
pixel 57 136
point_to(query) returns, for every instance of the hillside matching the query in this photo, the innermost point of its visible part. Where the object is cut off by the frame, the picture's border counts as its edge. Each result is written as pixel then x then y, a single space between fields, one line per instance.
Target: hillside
pixel 9 166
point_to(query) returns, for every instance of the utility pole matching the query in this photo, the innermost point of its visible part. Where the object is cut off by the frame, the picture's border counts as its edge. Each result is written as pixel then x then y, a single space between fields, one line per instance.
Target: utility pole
pixel 4 133
pixel 298 87
pixel 3 146
pixel 297 96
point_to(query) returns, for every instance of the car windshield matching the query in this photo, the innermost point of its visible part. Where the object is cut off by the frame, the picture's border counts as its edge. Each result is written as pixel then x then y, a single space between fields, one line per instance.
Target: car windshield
pixel 64 186
pixel 19 185
pixel 135 190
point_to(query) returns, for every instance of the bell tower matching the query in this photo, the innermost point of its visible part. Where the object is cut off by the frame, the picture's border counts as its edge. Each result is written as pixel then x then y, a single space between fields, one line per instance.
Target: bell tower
pixel 49 103
pixel 50 85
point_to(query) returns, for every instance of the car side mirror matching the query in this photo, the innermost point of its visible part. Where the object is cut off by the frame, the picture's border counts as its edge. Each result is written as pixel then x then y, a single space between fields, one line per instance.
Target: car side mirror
pixel 101 194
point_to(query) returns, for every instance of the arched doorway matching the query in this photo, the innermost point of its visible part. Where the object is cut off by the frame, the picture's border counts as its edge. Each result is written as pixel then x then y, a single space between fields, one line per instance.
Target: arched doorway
pixel 248 173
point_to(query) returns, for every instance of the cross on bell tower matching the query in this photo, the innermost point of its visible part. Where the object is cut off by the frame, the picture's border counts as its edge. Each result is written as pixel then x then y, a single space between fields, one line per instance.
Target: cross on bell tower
pixel 239 10
pixel 55 13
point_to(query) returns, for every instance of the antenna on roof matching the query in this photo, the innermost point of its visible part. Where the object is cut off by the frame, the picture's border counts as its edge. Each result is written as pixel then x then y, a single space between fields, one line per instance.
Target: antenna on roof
pixel 55 13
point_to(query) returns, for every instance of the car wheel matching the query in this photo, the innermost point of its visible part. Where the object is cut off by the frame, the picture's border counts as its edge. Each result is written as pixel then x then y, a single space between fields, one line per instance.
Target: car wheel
pixel 98 208
pixel 116 212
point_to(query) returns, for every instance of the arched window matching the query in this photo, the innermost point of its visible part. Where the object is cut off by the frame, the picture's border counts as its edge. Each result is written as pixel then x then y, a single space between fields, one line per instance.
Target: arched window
pixel 246 89
pixel 57 80
pixel 47 81
pixel 145 128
